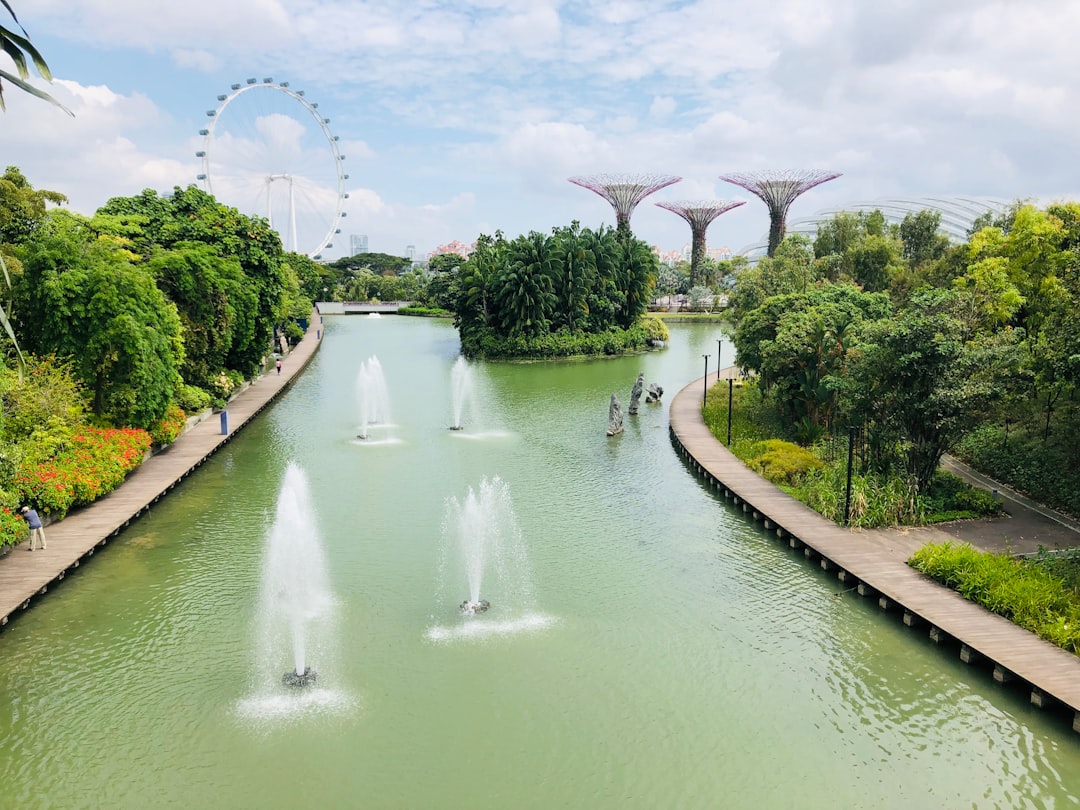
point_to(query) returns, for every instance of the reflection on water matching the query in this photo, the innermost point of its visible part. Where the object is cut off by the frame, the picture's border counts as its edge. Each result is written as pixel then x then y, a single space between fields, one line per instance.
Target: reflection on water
pixel 675 655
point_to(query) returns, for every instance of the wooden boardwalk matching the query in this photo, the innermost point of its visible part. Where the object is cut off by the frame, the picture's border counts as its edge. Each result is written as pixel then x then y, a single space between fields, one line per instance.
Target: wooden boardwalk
pixel 72 540
pixel 874 563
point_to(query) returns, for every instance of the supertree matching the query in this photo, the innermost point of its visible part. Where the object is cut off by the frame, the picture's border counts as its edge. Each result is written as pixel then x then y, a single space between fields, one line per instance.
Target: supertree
pixel 624 192
pixel 778 190
pixel 700 214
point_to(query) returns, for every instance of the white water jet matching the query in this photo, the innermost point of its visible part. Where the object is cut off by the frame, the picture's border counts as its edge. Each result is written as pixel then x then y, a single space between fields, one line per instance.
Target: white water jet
pixel 462 389
pixel 483 549
pixel 295 602
pixel 372 397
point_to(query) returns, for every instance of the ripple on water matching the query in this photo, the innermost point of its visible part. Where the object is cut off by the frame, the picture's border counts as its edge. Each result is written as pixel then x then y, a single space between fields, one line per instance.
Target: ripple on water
pixel 297 705
pixel 476 628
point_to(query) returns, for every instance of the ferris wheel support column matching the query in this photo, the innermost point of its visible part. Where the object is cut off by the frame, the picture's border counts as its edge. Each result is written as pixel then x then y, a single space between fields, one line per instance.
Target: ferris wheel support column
pixel 292 217
pixel 269 201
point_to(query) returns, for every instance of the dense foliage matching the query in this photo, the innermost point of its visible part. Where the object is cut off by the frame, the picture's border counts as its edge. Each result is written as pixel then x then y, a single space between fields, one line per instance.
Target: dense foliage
pixel 117 324
pixel 920 343
pixel 1033 595
pixel 816 474
pixel 575 291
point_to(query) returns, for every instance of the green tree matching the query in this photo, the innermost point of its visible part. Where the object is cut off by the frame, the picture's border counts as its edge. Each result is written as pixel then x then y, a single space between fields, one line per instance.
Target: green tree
pixel 606 298
pixel 638 274
pixel 574 271
pixel 475 307
pixel 212 300
pixel 524 289
pixel 151 222
pixel 920 385
pixel 799 345
pixel 81 298
pixel 922 238
pixel 790 270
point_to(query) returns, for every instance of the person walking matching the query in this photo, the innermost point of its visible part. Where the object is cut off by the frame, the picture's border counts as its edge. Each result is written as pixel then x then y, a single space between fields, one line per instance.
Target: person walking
pixel 37 531
pixel 279 367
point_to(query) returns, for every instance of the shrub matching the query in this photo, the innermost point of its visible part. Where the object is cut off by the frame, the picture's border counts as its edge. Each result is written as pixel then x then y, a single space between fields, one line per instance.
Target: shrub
pixel 655 329
pixel 94 464
pixel 425 312
pixel 12 528
pixel 781 462
pixel 192 399
pixel 169 426
pixel 484 342
pixel 293 333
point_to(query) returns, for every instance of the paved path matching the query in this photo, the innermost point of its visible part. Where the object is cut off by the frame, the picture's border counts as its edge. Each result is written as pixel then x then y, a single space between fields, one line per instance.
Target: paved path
pixel 74 539
pixel 874 563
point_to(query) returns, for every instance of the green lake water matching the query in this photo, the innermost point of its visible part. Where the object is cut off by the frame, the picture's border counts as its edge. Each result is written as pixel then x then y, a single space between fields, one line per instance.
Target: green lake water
pixel 672 654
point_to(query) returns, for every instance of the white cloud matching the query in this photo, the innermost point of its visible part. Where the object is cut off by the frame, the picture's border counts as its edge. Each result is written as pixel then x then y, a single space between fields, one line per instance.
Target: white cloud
pixel 501 100
pixel 662 107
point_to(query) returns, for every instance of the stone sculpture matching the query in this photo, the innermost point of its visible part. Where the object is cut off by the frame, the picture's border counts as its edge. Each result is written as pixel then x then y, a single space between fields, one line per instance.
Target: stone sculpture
pixel 655 392
pixel 614 420
pixel 635 394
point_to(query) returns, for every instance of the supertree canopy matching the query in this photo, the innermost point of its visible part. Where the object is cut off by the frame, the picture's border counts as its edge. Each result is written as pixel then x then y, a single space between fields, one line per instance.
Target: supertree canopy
pixel 700 214
pixel 778 190
pixel 624 192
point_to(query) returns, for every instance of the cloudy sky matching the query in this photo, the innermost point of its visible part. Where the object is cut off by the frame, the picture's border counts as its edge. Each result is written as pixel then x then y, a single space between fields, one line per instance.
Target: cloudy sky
pixel 460 117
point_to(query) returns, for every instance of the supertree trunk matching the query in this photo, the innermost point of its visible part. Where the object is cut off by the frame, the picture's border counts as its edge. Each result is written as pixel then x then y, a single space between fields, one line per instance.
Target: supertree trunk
pixel 778 190
pixel 699 214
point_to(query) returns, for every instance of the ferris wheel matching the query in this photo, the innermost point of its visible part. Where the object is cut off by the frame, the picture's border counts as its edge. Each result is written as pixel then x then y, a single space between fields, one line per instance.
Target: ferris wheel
pixel 268 151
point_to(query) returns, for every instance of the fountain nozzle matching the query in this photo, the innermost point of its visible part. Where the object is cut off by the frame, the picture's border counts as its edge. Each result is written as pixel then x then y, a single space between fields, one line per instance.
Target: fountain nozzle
pixel 473 608
pixel 456 427
pixel 294 679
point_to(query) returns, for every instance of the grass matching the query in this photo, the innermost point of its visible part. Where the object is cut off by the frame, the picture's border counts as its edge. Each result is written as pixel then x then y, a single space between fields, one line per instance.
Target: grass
pixel 1028 593
pixel 764 443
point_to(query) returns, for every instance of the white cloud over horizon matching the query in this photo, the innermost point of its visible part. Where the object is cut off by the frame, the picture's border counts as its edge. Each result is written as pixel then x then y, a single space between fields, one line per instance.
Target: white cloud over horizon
pixel 462 117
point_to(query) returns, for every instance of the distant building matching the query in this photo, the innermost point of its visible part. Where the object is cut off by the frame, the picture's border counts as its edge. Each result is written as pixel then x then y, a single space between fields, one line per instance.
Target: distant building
pixel 673 257
pixel 455 247
pixel 410 252
pixel 358 243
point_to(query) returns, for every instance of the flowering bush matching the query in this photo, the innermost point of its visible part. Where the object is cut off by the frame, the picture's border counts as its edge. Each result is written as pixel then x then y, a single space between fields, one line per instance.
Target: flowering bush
pixel 168 427
pixel 12 528
pixel 93 464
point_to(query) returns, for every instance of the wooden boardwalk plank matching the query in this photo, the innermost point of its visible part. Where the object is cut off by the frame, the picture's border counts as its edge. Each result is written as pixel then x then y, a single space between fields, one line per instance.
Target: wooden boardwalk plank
pixel 23 576
pixel 879 559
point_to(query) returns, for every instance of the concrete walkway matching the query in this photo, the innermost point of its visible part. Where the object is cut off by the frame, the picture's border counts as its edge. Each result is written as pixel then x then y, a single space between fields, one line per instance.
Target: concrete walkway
pixel 873 563
pixel 23 576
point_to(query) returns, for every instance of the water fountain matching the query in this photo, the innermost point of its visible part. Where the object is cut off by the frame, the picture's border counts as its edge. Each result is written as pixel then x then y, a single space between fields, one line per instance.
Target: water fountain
pixel 372 396
pixel 461 390
pixel 483 543
pixel 295 601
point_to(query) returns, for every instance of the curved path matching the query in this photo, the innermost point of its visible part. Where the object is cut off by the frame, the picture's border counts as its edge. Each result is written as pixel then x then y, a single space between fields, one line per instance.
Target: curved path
pixel 873 563
pixel 83 531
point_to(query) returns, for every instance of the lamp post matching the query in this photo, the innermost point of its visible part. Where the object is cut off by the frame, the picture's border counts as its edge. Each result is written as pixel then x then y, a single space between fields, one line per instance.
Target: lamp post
pixel 850 460
pixel 719 343
pixel 730 397
pixel 705 394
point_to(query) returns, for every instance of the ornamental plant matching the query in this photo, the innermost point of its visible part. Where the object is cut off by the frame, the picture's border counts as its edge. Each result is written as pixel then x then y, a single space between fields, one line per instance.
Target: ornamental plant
pixel 169 426
pixel 94 463
pixel 12 528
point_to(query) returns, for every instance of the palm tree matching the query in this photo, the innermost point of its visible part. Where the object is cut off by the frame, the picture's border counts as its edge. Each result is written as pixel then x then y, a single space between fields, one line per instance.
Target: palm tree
pixel 525 298
pixel 18 48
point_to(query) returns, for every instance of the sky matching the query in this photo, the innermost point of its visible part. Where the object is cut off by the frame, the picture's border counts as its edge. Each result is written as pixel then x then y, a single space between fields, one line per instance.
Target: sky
pixel 461 117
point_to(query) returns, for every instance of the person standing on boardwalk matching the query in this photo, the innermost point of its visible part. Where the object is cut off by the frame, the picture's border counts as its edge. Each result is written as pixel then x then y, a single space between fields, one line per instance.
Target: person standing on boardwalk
pixel 279 367
pixel 37 531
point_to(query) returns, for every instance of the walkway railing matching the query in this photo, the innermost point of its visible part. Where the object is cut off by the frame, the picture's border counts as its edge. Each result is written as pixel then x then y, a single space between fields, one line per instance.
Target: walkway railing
pixel 874 564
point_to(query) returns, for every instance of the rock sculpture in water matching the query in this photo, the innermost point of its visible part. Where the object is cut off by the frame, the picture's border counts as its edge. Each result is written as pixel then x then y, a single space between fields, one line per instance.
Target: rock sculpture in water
pixel 655 392
pixel 614 420
pixel 635 394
